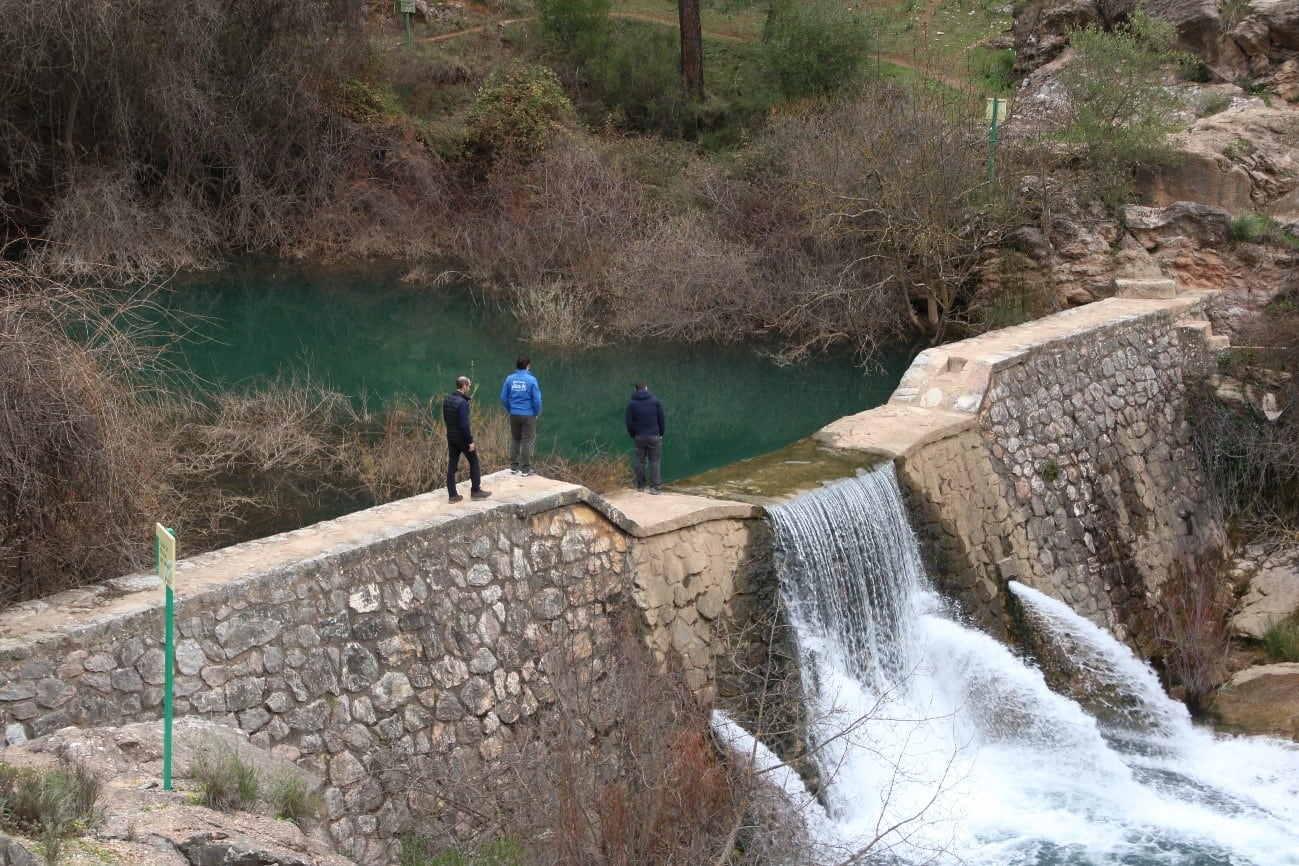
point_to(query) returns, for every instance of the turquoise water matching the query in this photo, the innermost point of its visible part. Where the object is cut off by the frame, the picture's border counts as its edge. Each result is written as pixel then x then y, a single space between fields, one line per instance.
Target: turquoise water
pixel 364 333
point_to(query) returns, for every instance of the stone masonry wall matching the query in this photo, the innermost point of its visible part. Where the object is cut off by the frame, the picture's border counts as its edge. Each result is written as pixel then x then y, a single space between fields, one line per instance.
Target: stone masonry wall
pixel 1058 454
pixel 410 635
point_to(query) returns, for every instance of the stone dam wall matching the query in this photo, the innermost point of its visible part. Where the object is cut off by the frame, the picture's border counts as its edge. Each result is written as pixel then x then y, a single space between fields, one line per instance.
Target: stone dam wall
pixel 1057 454
pixel 426 637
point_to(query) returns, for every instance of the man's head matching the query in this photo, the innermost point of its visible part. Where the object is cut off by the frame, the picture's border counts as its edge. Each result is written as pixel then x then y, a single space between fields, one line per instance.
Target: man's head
pixel 642 385
pixel 523 363
pixel 462 384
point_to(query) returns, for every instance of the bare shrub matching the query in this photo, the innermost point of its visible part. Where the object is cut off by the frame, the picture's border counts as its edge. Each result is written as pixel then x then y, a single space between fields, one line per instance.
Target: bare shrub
pixel 1253 460
pixel 554 313
pixel 81 473
pixel 554 223
pixel 1191 626
pixel 105 220
pixel 224 115
pixel 681 281
pixel 899 190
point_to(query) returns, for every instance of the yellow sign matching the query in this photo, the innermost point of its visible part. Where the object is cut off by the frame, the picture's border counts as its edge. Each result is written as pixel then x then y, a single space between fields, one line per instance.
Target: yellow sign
pixel 998 109
pixel 166 555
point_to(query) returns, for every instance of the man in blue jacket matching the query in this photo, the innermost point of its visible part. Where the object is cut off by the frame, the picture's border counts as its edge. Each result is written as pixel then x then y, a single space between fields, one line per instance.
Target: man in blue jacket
pixel 460 440
pixel 646 424
pixel 521 397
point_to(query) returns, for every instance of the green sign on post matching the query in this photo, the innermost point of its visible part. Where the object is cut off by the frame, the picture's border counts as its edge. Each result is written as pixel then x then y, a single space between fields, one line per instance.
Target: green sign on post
pixel 164 551
pixel 406 7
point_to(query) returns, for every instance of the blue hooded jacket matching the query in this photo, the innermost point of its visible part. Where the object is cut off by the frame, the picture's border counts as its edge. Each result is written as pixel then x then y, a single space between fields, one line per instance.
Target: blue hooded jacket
pixel 520 394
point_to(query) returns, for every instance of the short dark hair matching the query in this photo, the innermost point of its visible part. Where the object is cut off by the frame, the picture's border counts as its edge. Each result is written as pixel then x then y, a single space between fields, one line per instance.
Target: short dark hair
pixel 641 385
pixel 523 363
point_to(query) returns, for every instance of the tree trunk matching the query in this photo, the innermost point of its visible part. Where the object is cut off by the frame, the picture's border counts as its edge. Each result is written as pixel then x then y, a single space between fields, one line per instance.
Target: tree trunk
pixel 692 48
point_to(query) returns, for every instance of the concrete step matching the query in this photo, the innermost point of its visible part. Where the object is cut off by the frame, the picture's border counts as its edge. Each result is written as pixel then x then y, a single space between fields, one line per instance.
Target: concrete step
pixel 1149 289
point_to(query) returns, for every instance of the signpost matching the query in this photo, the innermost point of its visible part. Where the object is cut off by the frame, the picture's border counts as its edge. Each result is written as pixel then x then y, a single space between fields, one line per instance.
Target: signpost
pixel 164 550
pixel 406 7
pixel 998 110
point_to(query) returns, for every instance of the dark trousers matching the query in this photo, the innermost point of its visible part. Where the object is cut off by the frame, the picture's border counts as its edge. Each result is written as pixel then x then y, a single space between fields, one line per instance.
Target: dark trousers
pixel 649 449
pixel 523 434
pixel 453 463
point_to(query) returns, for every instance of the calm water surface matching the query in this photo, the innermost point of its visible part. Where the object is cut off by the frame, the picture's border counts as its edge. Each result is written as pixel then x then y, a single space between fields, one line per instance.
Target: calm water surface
pixel 364 333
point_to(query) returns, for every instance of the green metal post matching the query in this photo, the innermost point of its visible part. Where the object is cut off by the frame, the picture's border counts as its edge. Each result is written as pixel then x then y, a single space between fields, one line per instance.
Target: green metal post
pixel 167 689
pixel 166 571
pixel 992 138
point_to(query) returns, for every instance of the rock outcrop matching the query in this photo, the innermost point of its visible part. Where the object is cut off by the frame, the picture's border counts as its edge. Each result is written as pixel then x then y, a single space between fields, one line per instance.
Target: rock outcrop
pixel 146 826
pixel 1256 43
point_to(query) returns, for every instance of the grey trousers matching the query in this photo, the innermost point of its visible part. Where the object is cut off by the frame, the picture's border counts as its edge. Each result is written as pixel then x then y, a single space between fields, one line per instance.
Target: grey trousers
pixel 649 449
pixel 523 435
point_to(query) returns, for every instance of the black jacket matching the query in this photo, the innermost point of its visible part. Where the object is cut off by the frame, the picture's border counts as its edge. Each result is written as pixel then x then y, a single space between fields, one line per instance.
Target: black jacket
pixel 455 412
pixel 645 415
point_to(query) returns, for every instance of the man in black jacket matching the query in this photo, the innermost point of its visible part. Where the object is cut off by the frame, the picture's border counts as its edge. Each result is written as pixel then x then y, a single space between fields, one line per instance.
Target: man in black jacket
pixel 455 412
pixel 646 425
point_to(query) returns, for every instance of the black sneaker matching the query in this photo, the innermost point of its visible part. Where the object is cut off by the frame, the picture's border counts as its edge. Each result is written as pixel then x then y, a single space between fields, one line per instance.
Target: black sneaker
pixel 528 471
pixel 654 491
pixel 455 497
pixel 479 494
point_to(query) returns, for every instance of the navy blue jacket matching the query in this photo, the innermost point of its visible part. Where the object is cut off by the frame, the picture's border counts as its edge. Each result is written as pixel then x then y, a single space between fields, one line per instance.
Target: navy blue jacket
pixel 455 412
pixel 645 415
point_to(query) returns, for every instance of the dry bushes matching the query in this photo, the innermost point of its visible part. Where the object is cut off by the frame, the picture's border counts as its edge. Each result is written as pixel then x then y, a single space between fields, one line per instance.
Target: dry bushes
pixel 1253 461
pixel 892 192
pixel 541 236
pixel 683 282
pixel 289 453
pixel 80 469
pixel 1191 626
pixel 125 117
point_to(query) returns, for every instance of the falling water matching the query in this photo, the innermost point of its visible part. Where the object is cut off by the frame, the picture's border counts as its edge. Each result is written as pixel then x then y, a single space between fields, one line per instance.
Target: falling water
pixel 937 744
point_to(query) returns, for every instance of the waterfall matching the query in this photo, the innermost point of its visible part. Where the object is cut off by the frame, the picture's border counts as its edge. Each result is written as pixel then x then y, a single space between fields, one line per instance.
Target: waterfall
pixel 937 744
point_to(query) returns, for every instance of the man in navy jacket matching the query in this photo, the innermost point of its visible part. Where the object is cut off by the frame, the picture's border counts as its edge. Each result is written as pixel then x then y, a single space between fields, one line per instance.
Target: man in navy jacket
pixel 646 424
pixel 460 440
pixel 521 397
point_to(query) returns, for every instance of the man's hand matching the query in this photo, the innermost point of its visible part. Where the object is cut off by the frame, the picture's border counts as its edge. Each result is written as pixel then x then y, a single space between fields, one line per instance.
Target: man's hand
pixel 471 446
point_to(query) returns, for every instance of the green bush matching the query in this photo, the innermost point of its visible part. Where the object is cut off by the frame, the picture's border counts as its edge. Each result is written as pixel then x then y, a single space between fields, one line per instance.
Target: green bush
pixel 1259 228
pixel 993 70
pixel 51 804
pixel 1239 149
pixel 1281 641
pixel 637 82
pixel 576 30
pixel 815 47
pixel 292 799
pixel 226 781
pixel 516 112
pixel 417 850
pixel 1120 113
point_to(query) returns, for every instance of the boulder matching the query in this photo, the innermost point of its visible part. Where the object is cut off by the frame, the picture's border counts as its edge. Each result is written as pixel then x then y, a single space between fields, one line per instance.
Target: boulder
pixel 1260 700
pixel 1203 225
pixel 1272 595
